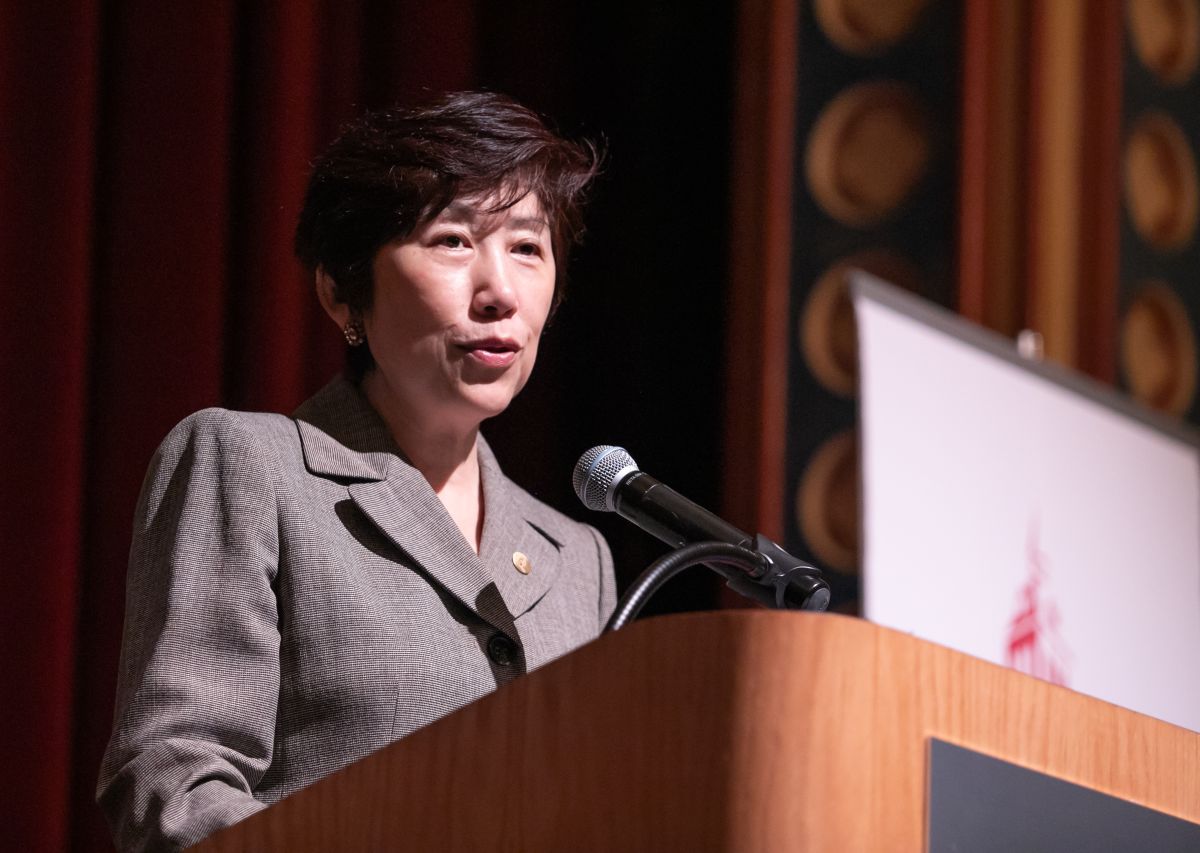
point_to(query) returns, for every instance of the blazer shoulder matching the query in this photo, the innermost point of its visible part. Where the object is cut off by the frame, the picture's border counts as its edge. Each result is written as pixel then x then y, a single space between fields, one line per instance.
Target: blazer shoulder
pixel 229 428
pixel 220 444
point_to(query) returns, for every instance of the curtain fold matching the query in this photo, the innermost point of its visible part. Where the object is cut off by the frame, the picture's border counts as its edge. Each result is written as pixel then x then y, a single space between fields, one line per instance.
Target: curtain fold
pixel 47 123
pixel 276 133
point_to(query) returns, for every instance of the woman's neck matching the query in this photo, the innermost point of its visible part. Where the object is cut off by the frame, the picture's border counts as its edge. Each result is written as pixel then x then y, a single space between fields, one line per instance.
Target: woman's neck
pixel 447 457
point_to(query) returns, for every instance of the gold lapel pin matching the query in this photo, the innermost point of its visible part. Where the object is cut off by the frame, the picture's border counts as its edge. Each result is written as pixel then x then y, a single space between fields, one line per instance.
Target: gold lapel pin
pixel 522 563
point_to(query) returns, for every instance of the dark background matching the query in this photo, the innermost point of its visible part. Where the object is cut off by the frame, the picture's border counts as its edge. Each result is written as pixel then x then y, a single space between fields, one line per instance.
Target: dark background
pixel 152 157
pixel 635 355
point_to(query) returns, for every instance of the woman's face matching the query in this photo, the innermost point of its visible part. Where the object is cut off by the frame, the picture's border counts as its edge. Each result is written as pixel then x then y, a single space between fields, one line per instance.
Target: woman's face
pixel 458 309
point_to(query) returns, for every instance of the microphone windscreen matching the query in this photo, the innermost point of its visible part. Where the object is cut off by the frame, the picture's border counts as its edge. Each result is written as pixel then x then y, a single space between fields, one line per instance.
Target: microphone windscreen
pixel 598 472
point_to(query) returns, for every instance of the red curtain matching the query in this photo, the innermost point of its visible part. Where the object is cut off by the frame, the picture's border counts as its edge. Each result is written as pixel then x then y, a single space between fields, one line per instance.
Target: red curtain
pixel 152 160
pixel 152 157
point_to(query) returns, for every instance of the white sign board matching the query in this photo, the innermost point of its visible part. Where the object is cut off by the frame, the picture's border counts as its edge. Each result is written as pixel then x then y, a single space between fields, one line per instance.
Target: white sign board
pixel 1023 514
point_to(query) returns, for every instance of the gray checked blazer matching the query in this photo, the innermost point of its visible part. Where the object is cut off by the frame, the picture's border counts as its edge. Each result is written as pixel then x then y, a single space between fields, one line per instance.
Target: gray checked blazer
pixel 298 597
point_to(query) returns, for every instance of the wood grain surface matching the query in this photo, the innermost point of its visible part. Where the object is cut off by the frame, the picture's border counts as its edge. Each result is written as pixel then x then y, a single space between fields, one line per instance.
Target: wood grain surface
pixel 738 730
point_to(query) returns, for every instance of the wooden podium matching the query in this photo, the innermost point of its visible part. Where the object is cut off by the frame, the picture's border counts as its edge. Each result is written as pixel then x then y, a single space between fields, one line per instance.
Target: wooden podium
pixel 736 730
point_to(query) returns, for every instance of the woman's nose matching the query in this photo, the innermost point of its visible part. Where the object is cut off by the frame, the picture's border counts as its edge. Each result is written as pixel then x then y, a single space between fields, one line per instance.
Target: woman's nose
pixel 495 286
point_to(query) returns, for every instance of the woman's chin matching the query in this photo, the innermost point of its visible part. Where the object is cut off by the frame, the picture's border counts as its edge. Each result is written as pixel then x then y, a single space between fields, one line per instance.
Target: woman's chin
pixel 485 401
pixel 491 397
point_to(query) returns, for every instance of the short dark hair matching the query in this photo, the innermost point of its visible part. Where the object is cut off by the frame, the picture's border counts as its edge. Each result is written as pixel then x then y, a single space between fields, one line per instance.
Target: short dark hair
pixel 393 171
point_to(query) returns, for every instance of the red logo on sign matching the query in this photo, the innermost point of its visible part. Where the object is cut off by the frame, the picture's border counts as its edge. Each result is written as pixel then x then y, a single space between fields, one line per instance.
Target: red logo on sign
pixel 1035 645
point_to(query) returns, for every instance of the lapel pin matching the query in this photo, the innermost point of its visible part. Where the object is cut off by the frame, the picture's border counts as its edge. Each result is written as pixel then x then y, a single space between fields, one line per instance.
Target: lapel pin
pixel 521 563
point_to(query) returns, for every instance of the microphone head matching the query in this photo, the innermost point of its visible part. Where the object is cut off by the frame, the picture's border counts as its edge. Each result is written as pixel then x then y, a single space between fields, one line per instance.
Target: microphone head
pixel 598 473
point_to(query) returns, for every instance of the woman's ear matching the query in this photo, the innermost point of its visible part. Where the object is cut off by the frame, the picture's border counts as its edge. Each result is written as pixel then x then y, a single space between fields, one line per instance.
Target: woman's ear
pixel 337 310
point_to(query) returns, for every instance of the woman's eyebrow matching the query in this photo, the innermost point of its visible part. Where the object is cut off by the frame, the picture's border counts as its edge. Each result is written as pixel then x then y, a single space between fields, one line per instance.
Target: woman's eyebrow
pixel 461 213
pixel 458 212
pixel 532 223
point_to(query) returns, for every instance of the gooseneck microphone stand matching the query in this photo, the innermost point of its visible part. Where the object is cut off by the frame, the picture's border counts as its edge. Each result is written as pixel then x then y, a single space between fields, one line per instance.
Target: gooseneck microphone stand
pixel 760 574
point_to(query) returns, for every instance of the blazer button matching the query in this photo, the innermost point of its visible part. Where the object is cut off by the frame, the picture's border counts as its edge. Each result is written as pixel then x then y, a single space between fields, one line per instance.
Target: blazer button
pixel 502 650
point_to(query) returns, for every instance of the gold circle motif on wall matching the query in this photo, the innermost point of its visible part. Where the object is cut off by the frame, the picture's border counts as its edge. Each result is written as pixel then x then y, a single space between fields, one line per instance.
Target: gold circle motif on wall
pixel 827 503
pixel 1158 349
pixel 828 334
pixel 1160 182
pixel 867 27
pixel 869 148
pixel 1166 37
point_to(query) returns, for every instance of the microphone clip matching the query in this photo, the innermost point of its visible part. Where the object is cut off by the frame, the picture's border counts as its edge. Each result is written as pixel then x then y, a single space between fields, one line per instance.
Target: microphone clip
pixel 782 581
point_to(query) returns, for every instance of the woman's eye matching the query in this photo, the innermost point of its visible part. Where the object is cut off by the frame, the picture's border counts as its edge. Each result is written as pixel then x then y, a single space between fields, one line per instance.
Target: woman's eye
pixel 451 241
pixel 529 249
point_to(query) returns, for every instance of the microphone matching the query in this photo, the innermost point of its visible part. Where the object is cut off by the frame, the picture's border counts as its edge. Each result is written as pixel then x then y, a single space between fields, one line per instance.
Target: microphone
pixel 607 479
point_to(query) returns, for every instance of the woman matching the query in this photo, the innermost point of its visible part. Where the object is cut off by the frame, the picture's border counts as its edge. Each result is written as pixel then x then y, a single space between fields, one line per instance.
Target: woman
pixel 304 590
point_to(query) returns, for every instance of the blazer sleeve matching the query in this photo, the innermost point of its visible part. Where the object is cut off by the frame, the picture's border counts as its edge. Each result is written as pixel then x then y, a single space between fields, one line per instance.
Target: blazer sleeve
pixel 199 679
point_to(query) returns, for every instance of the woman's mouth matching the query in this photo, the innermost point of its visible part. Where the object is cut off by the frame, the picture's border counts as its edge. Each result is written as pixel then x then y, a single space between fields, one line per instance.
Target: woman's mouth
pixel 492 352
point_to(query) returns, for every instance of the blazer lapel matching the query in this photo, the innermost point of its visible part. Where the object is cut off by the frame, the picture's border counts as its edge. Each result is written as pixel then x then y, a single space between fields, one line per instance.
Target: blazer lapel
pixel 408 512
pixel 343 437
pixel 513 525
